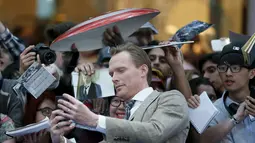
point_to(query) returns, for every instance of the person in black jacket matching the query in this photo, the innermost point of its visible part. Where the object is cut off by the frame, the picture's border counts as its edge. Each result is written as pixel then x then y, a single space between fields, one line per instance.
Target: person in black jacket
pixel 10 104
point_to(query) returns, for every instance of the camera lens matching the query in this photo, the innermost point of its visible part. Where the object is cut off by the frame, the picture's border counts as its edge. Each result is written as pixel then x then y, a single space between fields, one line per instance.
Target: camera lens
pixel 49 57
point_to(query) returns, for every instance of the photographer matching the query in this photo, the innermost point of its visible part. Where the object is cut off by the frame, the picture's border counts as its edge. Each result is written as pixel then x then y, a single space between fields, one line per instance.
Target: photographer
pixel 47 58
pixel 65 61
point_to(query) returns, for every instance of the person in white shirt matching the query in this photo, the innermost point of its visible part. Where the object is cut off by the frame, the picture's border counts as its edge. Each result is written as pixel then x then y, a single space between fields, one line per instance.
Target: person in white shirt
pixel 154 117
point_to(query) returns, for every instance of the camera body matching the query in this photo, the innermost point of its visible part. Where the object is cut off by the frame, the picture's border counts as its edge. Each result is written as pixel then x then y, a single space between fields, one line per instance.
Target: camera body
pixel 47 56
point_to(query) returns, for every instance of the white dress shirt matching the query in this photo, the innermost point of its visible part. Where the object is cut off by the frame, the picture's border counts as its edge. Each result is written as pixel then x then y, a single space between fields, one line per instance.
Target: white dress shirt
pixel 87 88
pixel 139 98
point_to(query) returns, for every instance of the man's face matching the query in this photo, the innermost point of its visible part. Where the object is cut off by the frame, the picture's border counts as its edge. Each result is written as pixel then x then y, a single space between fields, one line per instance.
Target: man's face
pixel 86 79
pixel 158 61
pixel 209 71
pixel 126 77
pixel 209 90
pixel 236 81
pixel 5 60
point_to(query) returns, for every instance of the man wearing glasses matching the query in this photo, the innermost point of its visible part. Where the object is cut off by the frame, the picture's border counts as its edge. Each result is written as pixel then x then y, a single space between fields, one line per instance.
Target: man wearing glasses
pixel 233 124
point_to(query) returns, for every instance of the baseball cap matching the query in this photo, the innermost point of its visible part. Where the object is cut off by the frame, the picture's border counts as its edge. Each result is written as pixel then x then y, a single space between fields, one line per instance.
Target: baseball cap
pixel 232 54
pixel 150 26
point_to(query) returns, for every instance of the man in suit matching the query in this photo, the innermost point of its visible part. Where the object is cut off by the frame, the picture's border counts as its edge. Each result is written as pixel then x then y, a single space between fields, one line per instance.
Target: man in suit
pixel 154 118
pixel 90 91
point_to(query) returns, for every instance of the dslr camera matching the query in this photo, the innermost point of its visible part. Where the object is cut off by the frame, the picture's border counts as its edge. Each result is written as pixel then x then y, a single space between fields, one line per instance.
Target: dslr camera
pixel 47 56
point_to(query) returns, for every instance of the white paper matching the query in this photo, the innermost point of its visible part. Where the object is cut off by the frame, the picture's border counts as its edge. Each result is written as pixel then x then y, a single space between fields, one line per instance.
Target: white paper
pixel 36 79
pixel 31 128
pixel 218 44
pixel 203 115
pixel 75 79
pixel 166 45
pixel 105 81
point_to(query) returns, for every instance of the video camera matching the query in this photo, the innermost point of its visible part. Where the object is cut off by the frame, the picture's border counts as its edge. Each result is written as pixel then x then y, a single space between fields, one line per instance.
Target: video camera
pixel 47 56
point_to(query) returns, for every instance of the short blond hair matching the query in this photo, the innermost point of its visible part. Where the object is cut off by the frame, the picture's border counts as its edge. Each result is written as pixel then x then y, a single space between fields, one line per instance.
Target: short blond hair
pixel 138 55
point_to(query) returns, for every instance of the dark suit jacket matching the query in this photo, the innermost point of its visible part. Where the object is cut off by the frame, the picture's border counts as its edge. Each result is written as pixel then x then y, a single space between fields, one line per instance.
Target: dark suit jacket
pixel 94 91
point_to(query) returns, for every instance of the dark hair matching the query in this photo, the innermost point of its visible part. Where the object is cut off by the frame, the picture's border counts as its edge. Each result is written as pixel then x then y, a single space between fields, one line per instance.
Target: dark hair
pixel 138 55
pixel 33 104
pixel 190 73
pixel 213 57
pixel 70 59
pixel 53 31
pixel 196 82
pixel 154 42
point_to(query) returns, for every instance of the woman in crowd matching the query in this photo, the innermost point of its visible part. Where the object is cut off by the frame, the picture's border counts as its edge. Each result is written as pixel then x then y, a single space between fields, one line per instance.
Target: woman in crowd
pixel 116 107
pixel 35 111
pixel 200 84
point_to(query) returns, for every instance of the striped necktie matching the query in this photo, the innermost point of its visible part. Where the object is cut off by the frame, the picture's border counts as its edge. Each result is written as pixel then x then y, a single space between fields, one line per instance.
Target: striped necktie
pixel 129 106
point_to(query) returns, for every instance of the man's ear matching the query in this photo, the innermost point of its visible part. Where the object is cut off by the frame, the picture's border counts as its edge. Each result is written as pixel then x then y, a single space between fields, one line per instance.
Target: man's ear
pixel 144 70
pixel 252 73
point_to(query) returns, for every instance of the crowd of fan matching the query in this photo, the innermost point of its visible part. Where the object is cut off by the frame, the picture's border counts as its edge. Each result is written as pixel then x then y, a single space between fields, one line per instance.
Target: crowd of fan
pixel 223 75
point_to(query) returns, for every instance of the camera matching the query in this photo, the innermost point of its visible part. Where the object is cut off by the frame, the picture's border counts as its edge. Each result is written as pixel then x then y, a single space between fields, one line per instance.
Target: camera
pixel 47 56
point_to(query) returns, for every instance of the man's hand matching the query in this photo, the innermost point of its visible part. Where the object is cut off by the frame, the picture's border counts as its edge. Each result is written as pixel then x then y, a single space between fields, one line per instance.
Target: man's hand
pixel 27 59
pixel 194 101
pixel 241 114
pixel 35 137
pixel 52 68
pixel 173 56
pixel 112 37
pixel 250 106
pixel 87 68
pixel 77 111
pixel 59 126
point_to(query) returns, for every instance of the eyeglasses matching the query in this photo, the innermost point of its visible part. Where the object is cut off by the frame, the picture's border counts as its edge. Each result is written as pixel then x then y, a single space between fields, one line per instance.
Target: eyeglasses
pixel 233 68
pixel 46 111
pixel 116 103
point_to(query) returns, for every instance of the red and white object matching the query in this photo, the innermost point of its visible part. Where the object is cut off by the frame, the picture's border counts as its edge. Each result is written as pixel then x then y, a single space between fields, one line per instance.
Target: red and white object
pixel 88 35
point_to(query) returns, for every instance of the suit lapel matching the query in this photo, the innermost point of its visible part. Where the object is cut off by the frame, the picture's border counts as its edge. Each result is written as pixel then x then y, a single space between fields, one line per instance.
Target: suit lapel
pixel 141 110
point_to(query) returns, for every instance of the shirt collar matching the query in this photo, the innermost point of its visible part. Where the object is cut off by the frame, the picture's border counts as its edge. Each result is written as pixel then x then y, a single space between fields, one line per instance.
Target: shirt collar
pixel 88 85
pixel 228 100
pixel 143 94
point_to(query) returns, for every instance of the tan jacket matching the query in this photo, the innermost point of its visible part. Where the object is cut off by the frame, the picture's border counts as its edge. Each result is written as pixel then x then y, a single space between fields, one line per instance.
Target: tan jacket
pixel 162 117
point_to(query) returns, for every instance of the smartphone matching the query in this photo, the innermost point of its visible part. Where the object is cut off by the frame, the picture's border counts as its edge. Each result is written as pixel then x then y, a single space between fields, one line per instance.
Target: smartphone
pixel 57 98
pixel 56 102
